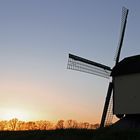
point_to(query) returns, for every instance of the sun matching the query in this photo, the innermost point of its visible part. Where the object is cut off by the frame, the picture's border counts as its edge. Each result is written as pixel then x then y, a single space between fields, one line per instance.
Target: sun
pixel 15 113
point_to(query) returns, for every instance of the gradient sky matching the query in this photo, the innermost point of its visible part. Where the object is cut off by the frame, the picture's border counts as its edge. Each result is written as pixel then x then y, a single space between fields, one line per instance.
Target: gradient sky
pixel 35 39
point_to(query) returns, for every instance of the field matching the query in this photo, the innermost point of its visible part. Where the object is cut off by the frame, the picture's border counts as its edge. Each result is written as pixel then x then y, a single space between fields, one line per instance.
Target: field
pixel 116 134
pixel 72 134
pixel 65 134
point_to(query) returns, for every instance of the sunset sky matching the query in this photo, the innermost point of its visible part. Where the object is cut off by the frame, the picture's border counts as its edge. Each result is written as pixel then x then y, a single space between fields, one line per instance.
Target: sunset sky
pixel 36 37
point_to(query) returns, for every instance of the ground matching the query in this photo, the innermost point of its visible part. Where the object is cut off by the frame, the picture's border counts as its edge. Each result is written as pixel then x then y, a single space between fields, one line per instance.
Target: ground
pixel 73 134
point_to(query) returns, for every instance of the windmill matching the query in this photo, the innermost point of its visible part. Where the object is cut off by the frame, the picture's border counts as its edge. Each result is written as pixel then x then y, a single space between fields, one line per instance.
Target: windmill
pixel 91 67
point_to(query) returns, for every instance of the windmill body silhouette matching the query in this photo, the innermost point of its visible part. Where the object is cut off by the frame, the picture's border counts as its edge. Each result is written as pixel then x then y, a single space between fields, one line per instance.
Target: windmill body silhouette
pixel 84 65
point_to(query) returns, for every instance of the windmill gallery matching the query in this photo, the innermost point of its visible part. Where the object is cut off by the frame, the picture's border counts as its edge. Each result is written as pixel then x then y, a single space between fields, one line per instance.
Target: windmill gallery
pixel 122 97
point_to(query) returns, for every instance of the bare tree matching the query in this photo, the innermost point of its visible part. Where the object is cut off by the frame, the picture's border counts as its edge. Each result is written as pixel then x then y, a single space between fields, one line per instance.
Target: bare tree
pixel 60 124
pixel 13 123
pixel 3 125
pixel 71 124
pixel 31 125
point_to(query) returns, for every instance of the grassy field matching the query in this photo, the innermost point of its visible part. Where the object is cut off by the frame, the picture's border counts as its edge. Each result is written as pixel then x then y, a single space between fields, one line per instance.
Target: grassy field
pixel 66 134
pixel 72 134
pixel 116 134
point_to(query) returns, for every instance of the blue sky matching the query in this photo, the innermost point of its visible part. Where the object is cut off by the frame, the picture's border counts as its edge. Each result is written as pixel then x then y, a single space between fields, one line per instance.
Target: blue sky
pixel 35 39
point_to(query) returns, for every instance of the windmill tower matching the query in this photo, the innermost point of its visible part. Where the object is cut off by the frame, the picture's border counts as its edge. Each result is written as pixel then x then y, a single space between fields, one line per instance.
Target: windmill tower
pixel 112 100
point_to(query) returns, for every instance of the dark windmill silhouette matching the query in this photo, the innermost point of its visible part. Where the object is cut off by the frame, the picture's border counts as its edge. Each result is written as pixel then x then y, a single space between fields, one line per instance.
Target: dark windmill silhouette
pixel 84 65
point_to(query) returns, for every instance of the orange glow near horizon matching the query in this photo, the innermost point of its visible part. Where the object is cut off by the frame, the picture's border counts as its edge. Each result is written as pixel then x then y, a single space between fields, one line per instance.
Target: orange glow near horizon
pixel 15 113
pixel 24 115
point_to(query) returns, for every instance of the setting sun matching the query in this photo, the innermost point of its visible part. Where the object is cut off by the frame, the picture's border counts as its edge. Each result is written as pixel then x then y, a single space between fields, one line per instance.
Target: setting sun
pixel 14 113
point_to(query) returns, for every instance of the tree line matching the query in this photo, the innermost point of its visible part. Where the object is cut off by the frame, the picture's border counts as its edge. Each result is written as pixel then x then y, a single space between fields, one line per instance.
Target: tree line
pixel 17 125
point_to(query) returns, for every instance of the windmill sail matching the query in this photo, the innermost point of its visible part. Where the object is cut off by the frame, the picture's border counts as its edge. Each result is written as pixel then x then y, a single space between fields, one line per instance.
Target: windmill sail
pixel 122 31
pixel 87 66
pixel 106 106
pixel 109 115
pixel 84 65
pixel 107 112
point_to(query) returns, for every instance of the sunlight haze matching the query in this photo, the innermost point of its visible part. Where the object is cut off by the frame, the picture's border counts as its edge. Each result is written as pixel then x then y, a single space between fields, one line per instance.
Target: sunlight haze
pixel 36 37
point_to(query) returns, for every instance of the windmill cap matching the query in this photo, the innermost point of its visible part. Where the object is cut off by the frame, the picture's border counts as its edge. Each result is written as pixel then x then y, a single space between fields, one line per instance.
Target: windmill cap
pixel 128 65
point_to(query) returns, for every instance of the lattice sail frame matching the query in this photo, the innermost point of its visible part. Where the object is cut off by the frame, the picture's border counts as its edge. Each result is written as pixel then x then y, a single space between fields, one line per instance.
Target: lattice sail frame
pixel 122 32
pixel 87 66
pixel 109 115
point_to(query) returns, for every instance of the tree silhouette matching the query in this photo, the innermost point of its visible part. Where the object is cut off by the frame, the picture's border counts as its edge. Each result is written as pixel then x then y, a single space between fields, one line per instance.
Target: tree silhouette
pixel 3 125
pixel 60 124
pixel 12 124
pixel 16 125
pixel 71 124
